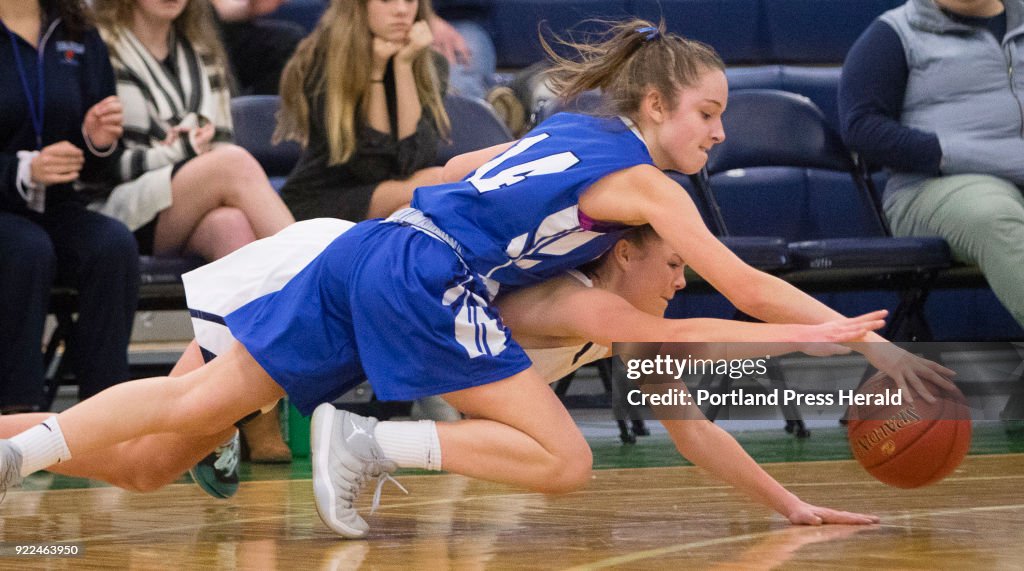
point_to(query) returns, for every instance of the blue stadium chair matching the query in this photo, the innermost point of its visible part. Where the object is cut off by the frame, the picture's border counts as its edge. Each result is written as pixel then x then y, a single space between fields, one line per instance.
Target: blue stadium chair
pixel 254 118
pixel 820 84
pixel 782 171
pixel 474 126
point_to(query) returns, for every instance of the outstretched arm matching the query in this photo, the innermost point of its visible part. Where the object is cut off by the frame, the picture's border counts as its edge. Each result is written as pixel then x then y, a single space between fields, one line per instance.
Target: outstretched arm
pixel 709 447
pixel 643 194
pixel 564 310
pixel 561 309
pixel 460 166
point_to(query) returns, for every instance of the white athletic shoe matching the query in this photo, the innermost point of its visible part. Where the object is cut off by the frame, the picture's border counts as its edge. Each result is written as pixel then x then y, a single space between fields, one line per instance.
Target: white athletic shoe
pixel 10 467
pixel 345 454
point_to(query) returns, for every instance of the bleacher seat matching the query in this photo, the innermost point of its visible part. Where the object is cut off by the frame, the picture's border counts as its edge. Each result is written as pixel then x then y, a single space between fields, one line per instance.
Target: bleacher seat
pixel 474 126
pixel 783 172
pixel 254 118
pixel 820 84
pixel 746 32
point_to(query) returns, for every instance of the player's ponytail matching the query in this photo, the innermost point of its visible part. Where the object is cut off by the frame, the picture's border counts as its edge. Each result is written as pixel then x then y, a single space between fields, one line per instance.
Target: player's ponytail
pixel 627 58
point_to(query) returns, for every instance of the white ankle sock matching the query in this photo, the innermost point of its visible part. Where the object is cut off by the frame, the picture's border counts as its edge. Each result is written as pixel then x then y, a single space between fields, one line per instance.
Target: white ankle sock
pixel 41 446
pixel 410 444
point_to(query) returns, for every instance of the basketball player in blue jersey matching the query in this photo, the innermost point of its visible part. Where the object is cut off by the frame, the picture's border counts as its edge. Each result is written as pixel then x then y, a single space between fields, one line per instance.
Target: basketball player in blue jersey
pixel 406 301
pixel 562 323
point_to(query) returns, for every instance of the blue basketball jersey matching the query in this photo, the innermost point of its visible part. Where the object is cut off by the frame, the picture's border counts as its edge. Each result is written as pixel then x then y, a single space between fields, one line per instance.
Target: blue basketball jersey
pixel 517 217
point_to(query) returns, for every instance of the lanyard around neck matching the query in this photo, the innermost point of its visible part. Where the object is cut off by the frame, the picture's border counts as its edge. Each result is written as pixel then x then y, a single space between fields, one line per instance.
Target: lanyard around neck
pixel 36 105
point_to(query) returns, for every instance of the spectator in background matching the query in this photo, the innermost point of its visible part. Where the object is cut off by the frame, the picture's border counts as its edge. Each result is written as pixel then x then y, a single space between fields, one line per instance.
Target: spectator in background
pixel 183 187
pixel 462 39
pixel 928 92
pixel 257 47
pixel 59 124
pixel 362 94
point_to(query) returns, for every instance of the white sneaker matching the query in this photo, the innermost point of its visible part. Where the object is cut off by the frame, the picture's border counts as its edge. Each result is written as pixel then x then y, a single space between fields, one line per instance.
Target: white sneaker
pixel 345 454
pixel 10 467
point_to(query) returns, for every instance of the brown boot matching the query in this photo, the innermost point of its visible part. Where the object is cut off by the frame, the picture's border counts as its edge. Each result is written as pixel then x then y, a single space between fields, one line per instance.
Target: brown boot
pixel 263 438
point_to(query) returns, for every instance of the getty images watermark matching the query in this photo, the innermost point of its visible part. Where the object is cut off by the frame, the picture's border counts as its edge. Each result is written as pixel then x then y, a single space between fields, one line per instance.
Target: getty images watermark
pixel 667 368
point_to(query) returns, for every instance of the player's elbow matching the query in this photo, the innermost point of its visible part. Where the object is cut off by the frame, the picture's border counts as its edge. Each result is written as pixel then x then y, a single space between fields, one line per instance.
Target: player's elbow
pixel 751 296
pixel 453 170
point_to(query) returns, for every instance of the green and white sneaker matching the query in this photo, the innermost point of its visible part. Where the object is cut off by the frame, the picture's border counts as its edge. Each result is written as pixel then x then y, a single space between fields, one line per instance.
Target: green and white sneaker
pixel 10 467
pixel 217 474
pixel 345 455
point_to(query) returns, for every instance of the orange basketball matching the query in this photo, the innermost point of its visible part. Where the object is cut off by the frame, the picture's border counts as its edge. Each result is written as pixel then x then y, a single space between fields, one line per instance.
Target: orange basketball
pixel 908 445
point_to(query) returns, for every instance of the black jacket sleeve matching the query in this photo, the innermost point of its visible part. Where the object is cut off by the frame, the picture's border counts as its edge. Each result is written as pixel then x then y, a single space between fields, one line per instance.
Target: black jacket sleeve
pixel 871 91
pixel 98 83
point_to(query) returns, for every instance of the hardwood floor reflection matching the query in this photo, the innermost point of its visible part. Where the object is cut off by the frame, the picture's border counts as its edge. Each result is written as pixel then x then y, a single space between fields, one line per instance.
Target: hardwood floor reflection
pixel 654 518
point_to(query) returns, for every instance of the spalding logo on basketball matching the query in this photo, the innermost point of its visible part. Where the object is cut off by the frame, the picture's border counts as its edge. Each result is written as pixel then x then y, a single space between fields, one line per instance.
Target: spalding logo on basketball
pixel 909 445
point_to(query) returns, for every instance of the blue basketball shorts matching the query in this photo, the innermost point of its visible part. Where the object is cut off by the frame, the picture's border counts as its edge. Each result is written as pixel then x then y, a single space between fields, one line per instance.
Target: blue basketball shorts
pixel 379 300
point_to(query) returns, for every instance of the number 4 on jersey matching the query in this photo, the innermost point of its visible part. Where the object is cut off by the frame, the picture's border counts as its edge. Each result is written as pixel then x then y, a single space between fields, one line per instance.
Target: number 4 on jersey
pixel 507 177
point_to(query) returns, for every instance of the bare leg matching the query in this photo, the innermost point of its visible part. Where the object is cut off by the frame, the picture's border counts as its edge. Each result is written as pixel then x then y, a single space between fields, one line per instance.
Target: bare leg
pixel 222 231
pixel 202 403
pixel 391 195
pixel 226 176
pixel 519 434
pixel 262 434
pixel 142 465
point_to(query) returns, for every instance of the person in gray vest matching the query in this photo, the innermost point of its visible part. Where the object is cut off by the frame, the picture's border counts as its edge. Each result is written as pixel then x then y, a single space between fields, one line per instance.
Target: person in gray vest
pixel 930 92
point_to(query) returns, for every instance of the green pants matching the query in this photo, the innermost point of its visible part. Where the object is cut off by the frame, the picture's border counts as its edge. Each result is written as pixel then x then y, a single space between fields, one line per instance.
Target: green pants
pixel 982 218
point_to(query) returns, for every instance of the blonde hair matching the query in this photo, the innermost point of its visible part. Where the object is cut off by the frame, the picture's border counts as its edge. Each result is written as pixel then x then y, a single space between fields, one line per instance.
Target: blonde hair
pixel 196 24
pixel 639 236
pixel 627 58
pixel 332 63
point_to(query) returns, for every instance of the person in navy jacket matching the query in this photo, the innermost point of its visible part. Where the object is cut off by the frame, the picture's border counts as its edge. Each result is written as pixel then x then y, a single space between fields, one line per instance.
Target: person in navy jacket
pixel 59 127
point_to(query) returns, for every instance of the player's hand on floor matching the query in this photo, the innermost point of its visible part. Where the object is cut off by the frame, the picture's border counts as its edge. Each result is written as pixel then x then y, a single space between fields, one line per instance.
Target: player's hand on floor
pixel 807 514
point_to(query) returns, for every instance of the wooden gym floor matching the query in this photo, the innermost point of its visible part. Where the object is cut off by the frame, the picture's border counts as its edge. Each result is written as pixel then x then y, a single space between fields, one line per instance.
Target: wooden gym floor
pixel 635 518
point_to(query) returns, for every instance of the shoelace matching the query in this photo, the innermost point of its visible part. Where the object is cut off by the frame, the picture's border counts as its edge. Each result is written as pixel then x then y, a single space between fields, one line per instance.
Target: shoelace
pixel 11 477
pixel 384 477
pixel 227 457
